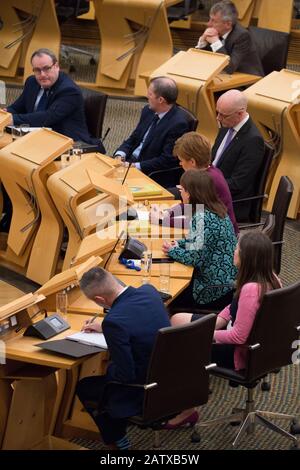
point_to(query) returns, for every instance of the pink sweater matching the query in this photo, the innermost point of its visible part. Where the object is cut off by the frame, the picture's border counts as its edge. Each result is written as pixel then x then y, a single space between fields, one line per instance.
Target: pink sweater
pixel 247 307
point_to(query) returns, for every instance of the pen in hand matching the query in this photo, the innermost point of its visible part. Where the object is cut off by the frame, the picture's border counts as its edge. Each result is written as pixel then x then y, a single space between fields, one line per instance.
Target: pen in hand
pixel 92 326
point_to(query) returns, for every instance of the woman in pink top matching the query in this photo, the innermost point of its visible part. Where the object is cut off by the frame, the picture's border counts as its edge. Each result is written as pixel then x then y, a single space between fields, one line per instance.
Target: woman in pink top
pixel 254 259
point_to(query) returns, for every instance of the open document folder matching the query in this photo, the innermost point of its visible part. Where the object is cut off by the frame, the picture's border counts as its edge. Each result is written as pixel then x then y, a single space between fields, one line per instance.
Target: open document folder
pixel 77 345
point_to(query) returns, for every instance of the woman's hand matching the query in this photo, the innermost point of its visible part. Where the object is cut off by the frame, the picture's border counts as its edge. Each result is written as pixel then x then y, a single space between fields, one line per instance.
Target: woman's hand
pixel 166 246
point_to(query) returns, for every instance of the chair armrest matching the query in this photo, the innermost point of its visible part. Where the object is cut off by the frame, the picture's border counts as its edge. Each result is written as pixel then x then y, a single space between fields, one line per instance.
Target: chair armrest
pixel 251 198
pixel 242 226
pixel 144 386
pixel 167 170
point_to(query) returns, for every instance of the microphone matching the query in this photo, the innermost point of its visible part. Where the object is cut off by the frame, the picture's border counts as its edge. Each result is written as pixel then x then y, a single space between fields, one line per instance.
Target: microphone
pixel 113 248
pixel 106 134
pixel 125 176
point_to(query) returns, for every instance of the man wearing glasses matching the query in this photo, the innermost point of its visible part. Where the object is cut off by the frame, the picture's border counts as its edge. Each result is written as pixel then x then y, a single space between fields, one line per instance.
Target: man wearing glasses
pixel 226 36
pixel 51 99
pixel 238 149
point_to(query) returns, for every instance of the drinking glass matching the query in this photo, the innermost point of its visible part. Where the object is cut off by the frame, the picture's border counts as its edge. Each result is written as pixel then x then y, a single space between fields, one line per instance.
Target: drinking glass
pixel 62 304
pixel 121 159
pixel 164 277
pixel 146 267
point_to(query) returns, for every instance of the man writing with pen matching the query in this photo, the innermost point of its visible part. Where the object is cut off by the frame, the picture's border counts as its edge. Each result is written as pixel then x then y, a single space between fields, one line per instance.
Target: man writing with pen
pixel 130 328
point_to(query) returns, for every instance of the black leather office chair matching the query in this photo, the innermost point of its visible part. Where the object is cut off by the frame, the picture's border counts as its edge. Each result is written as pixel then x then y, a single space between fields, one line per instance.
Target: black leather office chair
pixel 275 333
pixel 279 210
pixel 170 178
pixel 256 201
pixel 94 107
pixel 182 10
pixel 272 47
pixel 177 377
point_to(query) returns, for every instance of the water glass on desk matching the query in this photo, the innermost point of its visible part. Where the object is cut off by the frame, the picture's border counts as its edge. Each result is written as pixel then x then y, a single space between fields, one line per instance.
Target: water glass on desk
pixel 164 277
pixel 121 159
pixel 146 267
pixel 62 304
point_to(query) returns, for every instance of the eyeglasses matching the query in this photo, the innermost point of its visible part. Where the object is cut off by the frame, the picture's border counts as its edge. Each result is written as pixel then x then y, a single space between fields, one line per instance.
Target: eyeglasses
pixel 45 69
pixel 222 115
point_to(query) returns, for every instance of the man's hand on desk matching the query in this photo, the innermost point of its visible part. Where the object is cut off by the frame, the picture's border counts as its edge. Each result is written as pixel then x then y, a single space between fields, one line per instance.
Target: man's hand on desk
pixel 91 326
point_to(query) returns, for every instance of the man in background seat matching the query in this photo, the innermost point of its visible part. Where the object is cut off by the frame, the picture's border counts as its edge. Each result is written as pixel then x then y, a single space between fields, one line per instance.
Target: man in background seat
pixel 150 146
pixel 51 99
pixel 226 36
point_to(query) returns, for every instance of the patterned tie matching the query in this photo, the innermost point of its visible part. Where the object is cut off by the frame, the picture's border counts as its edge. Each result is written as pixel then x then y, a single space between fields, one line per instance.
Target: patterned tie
pixel 228 139
pixel 42 104
pixel 152 128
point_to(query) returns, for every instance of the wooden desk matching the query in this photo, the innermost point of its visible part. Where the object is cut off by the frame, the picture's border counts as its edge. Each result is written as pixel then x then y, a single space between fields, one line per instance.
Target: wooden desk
pixel 42 30
pixel 135 36
pixel 273 104
pixel 43 388
pixel 25 166
pixel 196 92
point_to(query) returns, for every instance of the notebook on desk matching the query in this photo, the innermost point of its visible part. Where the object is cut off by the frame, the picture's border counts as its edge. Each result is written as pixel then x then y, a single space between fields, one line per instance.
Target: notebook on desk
pixel 147 190
pixel 76 345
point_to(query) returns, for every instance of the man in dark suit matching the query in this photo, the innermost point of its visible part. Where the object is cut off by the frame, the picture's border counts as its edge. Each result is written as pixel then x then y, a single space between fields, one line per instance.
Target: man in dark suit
pixel 130 328
pixel 51 99
pixel 238 150
pixel 150 146
pixel 226 36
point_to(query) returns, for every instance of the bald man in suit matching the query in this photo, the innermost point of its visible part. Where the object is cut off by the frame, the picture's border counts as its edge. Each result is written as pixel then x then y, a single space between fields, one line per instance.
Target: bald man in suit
pixel 238 149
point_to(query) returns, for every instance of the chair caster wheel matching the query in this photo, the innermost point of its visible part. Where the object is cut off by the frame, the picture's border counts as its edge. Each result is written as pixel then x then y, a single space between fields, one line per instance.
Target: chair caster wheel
pixel 295 427
pixel 92 61
pixel 195 437
pixel 265 386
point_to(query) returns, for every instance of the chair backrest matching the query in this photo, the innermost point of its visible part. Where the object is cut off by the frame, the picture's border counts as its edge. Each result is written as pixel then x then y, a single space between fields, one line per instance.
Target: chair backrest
pixel 279 209
pixel 94 106
pixel 269 225
pixel 66 9
pixel 261 180
pixel 177 365
pixel 191 118
pixel 275 330
pixel 272 47
pixel 182 9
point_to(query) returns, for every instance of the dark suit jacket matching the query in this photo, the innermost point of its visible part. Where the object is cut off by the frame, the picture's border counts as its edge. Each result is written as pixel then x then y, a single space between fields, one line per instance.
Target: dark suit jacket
pixel 64 113
pixel 243 54
pixel 130 329
pixel 156 153
pixel 240 164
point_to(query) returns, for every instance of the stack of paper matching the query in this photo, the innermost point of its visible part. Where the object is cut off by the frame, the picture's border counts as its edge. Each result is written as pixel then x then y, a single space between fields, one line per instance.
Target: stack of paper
pixel 92 339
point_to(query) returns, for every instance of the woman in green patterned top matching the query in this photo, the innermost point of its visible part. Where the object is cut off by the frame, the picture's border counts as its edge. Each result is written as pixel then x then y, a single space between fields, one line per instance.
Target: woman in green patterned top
pixel 209 246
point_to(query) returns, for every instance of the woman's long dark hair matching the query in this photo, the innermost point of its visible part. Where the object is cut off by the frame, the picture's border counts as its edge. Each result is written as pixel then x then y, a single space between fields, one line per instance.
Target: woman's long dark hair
pixel 256 262
pixel 201 188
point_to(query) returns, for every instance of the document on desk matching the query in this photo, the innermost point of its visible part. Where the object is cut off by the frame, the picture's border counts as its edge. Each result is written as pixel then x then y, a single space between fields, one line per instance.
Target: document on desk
pixel 91 339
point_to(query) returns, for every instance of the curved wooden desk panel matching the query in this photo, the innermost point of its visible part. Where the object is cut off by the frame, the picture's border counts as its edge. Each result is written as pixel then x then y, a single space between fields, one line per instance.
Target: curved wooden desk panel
pixel 25 166
pixel 135 36
pixel 272 105
pixel 18 40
